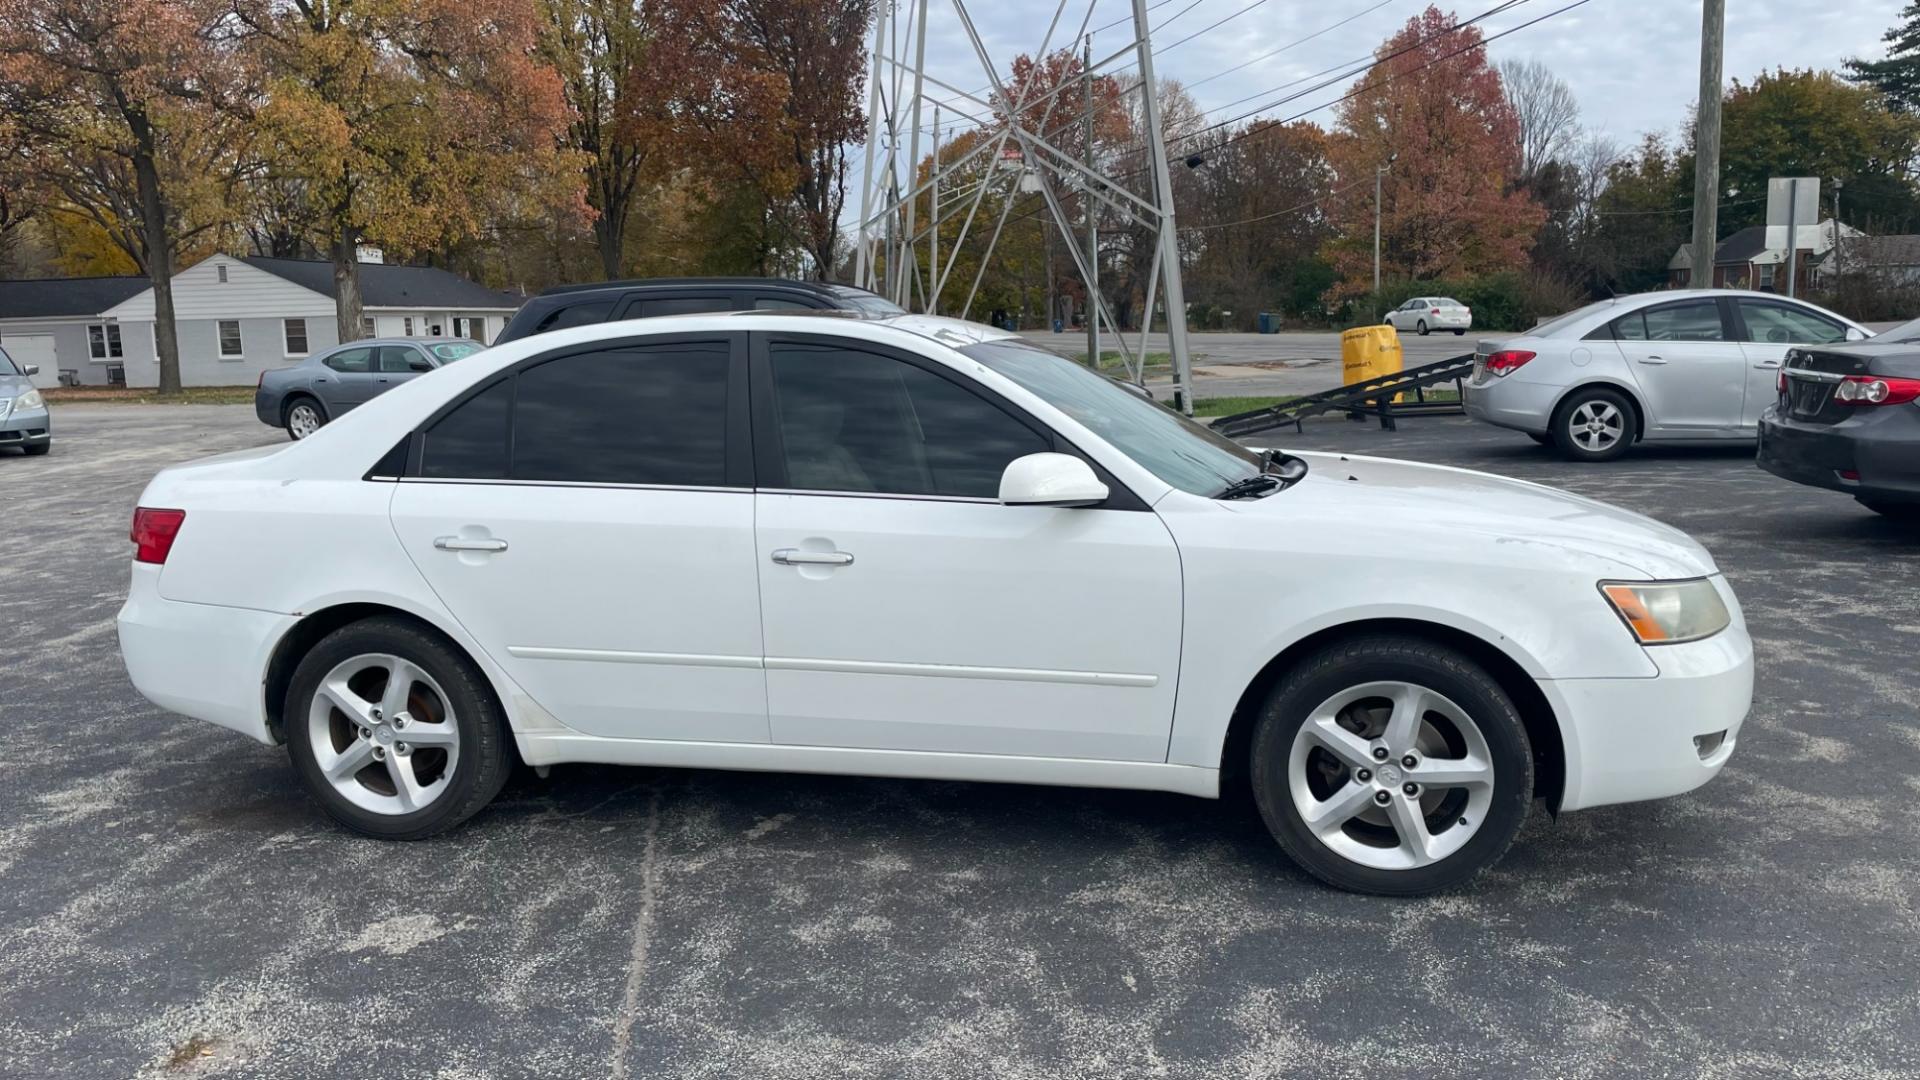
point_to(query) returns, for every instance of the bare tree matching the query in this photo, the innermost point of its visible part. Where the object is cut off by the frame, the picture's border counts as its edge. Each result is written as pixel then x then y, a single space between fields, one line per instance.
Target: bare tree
pixel 1549 113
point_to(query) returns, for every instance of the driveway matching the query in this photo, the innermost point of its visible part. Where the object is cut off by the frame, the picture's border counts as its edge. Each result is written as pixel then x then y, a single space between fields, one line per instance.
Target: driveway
pixel 172 905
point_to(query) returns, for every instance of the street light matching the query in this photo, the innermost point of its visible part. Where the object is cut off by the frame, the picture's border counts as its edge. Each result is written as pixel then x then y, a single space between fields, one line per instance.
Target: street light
pixel 1378 172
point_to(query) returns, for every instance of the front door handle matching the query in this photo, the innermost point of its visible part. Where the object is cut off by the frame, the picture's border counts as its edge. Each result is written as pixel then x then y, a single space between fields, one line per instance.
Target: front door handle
pixel 796 557
pixel 466 543
pixel 1651 360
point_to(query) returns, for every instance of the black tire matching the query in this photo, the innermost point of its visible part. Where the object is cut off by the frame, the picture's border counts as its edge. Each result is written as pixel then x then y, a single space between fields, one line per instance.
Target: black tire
pixel 1594 400
pixel 37 449
pixel 484 760
pixel 1378 658
pixel 1540 437
pixel 1906 513
pixel 302 401
pixel 1459 333
pixel 1421 327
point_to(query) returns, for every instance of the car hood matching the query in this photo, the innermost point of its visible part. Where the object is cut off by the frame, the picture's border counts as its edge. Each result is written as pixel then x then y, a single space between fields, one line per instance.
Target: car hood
pixel 1430 505
pixel 14 385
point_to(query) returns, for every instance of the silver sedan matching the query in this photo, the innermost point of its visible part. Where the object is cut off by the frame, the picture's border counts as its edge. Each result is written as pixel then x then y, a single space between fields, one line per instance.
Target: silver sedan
pixel 1682 364
pixel 303 397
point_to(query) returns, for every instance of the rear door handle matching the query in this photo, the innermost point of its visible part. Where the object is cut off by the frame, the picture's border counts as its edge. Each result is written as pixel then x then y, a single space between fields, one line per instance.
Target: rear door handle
pixel 464 543
pixel 1651 360
pixel 796 557
pixel 1767 364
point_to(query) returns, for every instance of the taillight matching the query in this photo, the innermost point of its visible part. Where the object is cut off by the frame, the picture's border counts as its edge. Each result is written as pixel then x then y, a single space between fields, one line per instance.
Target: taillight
pixel 1507 361
pixel 1780 382
pixel 1876 390
pixel 153 533
pixel 1436 311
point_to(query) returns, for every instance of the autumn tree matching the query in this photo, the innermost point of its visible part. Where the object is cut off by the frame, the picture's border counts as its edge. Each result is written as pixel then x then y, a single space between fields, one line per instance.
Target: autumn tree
pixel 410 124
pixel 124 100
pixel 1448 205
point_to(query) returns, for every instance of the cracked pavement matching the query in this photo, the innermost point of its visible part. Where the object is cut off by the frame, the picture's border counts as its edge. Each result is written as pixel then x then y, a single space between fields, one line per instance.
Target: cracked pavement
pixel 172 905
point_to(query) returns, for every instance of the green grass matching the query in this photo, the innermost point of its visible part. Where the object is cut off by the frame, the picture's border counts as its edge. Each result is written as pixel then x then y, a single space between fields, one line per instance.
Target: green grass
pixel 1113 363
pixel 1228 406
pixel 126 395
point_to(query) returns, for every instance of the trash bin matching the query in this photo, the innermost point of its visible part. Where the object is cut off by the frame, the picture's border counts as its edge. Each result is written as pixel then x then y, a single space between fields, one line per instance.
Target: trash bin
pixel 1269 322
pixel 1369 352
pixel 1057 326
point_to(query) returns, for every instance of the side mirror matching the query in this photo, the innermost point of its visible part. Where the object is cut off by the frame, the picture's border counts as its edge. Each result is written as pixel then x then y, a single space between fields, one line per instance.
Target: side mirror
pixel 419 364
pixel 1050 480
pixel 1856 334
pixel 30 369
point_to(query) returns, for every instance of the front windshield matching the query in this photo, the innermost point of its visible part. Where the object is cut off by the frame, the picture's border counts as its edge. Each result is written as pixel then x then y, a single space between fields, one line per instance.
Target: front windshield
pixel 865 302
pixel 6 364
pixel 449 351
pixel 1184 454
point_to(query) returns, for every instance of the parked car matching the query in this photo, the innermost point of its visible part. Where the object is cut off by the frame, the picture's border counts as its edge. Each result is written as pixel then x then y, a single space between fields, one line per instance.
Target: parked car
pixel 1685 364
pixel 921 547
pixel 24 419
pixel 1847 418
pixel 1425 314
pixel 583 305
pixel 303 398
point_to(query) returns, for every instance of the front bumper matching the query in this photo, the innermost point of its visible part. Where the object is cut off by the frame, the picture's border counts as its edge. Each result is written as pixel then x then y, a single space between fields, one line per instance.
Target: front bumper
pixel 1879 447
pixel 200 660
pixel 1523 406
pixel 26 427
pixel 1634 739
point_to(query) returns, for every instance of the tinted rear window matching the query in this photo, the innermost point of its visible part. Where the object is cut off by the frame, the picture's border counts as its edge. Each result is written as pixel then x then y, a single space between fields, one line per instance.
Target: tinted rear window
pixel 652 415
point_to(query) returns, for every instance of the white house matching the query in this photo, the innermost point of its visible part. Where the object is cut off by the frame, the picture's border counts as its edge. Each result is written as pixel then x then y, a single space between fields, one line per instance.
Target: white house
pixel 234 317
pixel 57 324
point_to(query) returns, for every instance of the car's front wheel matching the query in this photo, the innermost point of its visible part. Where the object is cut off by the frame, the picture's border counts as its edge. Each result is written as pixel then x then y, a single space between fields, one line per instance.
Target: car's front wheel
pixel 1391 765
pixel 304 417
pixel 394 731
pixel 1595 424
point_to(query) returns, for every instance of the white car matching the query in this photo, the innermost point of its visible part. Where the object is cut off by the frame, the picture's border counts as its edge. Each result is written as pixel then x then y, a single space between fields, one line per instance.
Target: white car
pixel 1425 314
pixel 918 547
pixel 1683 364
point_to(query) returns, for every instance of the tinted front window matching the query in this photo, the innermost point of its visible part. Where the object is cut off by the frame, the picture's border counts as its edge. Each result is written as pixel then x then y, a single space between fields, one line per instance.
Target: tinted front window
pixel 678 305
pixel 1778 324
pixel 587 314
pixel 1685 322
pixel 1173 448
pixel 779 303
pixel 861 422
pixel 470 443
pixel 865 302
pixel 651 415
pixel 400 358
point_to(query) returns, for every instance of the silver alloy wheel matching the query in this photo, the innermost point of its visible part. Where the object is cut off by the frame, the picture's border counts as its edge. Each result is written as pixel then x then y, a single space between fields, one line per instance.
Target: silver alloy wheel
pixel 1391 775
pixel 383 734
pixel 1421 326
pixel 303 420
pixel 1596 425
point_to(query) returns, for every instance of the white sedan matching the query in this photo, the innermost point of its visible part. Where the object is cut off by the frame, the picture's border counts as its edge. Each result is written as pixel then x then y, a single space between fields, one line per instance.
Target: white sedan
pixel 1425 314
pixel 917 547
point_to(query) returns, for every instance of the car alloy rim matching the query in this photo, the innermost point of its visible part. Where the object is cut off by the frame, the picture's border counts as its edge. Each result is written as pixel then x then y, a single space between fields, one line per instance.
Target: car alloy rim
pixel 383 734
pixel 1391 775
pixel 1596 425
pixel 304 421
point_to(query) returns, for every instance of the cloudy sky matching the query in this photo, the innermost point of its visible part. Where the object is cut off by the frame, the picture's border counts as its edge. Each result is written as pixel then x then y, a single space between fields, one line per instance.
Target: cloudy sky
pixel 1632 63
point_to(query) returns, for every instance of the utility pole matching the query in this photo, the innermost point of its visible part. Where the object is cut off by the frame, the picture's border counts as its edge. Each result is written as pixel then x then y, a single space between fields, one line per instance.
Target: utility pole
pixel 860 267
pixel 1176 302
pixel 1093 223
pixel 1793 230
pixel 1839 266
pixel 1378 172
pixel 1706 162
pixel 933 228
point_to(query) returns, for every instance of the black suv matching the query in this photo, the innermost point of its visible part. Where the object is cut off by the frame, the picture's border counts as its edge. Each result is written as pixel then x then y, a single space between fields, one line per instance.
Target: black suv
pixel 582 305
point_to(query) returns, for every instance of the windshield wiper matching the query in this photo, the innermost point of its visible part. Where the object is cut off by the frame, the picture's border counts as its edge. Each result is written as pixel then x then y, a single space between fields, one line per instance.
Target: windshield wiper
pixel 1248 487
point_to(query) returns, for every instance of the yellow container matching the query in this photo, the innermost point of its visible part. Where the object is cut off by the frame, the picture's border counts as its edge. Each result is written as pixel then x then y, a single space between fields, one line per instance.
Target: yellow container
pixel 1369 352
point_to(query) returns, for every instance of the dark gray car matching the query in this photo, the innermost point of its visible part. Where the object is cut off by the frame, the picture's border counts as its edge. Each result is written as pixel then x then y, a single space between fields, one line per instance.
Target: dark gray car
pixel 302 398
pixel 24 421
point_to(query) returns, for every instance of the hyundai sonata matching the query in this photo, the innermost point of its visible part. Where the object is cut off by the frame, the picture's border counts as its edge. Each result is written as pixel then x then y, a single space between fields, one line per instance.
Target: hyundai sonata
pixel 917 547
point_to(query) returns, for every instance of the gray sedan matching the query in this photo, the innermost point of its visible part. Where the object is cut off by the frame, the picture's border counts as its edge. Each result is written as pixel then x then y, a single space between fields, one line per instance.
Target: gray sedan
pixel 302 398
pixel 24 421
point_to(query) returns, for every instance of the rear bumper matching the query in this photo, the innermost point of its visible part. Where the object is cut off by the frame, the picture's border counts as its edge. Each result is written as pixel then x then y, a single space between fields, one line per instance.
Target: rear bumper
pixel 1522 406
pixel 1880 447
pixel 1635 739
pixel 200 660
pixel 267 407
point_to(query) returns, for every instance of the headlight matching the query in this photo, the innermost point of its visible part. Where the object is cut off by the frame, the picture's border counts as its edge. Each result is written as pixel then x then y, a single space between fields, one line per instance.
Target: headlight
pixel 1668 612
pixel 30 400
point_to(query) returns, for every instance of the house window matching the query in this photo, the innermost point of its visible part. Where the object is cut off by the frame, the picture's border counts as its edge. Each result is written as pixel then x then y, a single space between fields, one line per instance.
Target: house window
pixel 221 272
pixel 229 339
pixel 366 326
pixel 1766 276
pixel 103 341
pixel 296 337
pixel 406 326
pixel 468 326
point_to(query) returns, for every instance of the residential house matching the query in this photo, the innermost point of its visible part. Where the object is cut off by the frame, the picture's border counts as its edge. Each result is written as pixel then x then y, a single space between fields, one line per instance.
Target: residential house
pixel 1745 260
pixel 59 325
pixel 1894 259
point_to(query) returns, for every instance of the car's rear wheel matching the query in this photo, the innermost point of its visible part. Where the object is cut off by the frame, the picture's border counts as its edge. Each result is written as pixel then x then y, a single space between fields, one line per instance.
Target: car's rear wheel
pixel 1595 424
pixel 1896 511
pixel 304 417
pixel 394 731
pixel 1392 765
pixel 1421 327
pixel 1458 333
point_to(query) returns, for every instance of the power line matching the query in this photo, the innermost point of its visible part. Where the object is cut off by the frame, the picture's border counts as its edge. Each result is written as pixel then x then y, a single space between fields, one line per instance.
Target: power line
pixel 1308 205
pixel 1210 26
pixel 1290 44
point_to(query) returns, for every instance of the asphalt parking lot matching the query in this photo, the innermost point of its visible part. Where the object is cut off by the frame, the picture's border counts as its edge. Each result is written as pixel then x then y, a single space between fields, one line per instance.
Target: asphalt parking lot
pixel 171 904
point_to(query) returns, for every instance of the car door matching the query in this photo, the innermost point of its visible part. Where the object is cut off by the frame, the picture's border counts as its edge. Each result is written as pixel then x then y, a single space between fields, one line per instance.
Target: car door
pixel 588 517
pixel 1691 372
pixel 1398 315
pixel 1768 328
pixel 395 364
pixel 347 378
pixel 905 608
